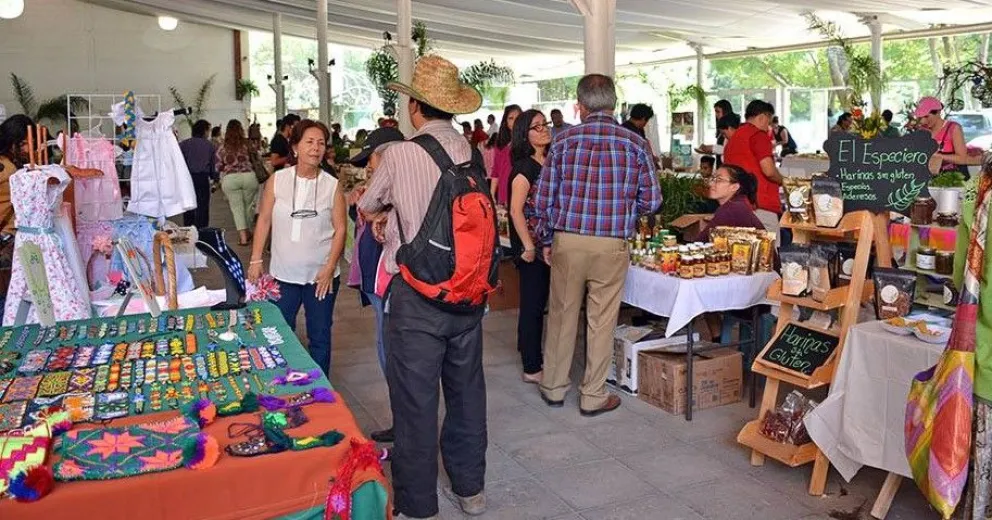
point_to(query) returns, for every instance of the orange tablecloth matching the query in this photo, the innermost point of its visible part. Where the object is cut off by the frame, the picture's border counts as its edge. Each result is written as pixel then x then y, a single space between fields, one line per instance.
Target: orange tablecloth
pixel 260 487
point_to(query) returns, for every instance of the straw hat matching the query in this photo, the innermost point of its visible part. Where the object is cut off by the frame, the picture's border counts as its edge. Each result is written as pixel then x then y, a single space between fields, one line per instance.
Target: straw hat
pixel 436 82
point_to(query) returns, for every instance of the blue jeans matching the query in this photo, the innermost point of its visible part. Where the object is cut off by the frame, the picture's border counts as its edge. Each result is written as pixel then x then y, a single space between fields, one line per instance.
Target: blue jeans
pixel 380 347
pixel 319 316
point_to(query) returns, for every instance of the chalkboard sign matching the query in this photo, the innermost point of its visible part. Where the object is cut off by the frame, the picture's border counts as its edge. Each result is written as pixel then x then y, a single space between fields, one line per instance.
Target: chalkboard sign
pixel 881 174
pixel 798 350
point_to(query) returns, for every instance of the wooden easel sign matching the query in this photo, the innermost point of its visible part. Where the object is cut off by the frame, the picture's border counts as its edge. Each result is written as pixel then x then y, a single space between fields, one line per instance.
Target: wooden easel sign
pixel 141 280
pixel 33 263
pixel 798 350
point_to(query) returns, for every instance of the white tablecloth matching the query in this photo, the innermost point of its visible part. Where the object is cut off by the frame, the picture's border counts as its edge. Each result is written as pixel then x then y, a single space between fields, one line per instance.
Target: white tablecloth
pixel 861 421
pixel 682 300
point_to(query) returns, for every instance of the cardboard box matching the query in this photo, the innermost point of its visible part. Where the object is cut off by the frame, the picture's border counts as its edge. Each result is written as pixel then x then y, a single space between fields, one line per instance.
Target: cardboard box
pixel 690 225
pixel 716 379
pixel 628 341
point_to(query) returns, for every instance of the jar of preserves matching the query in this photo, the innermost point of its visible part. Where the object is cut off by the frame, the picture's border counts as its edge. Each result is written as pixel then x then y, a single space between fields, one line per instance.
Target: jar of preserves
pixel 686 266
pixel 921 211
pixel 926 258
pixel 947 219
pixel 670 241
pixel 712 265
pixel 699 266
pixel 945 262
pixel 724 263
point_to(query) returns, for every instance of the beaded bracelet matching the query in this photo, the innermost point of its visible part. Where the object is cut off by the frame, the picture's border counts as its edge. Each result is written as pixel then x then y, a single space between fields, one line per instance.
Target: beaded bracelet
pixel 61 359
pixel 114 377
pixel 171 396
pixel 103 330
pixel 256 359
pixel 180 323
pixel 139 372
pixel 22 338
pixel 267 358
pixel 126 369
pixel 162 348
pixel 139 402
pixel 191 343
pixel 131 327
pixel 120 352
pixel 163 371
pixel 122 327
pixel 84 354
pixel 150 372
pixel 163 323
pixel 219 391
pixel 49 336
pixel 203 389
pixel 244 359
pixel 35 360
pixel 257 313
pixel 189 323
pixel 235 388
pixel 176 347
pixel 63 333
pixel 175 367
pixel 102 377
pixel 186 392
pixel 211 362
pixel 133 351
pixel 152 326
pixel 189 368
pixel 211 322
pixel 277 355
pixel 147 350
pixel 155 398
pixel 234 363
pixel 103 354
pixel 169 325
pixel 112 330
pixel 36 342
pixel 142 327
pixel 200 361
pixel 221 321
pixel 222 365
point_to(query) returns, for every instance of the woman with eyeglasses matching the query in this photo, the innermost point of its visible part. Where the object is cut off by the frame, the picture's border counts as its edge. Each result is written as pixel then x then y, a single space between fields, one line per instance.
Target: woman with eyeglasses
pixel 952 151
pixel 737 193
pixel 305 212
pixel 531 137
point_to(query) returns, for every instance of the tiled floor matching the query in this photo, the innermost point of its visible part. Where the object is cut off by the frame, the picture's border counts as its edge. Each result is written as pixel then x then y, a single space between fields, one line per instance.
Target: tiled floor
pixel 637 463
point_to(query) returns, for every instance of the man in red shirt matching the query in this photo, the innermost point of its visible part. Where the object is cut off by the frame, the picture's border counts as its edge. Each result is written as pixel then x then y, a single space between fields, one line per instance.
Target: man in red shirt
pixel 751 149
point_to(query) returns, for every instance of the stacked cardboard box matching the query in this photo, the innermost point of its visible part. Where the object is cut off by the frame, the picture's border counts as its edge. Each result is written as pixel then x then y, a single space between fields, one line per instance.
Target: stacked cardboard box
pixel 716 379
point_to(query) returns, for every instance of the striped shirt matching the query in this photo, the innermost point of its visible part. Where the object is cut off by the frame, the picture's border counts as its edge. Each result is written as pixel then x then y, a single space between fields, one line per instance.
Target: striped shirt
pixel 404 182
pixel 597 180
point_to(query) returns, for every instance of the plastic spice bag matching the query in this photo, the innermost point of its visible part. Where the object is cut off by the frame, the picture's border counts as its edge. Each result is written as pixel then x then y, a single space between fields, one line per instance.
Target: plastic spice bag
pixel 795 270
pixel 895 291
pixel 828 202
pixel 799 196
pixel 822 269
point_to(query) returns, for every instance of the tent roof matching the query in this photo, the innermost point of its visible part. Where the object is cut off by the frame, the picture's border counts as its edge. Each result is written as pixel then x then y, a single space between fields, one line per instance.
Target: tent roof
pixel 550 32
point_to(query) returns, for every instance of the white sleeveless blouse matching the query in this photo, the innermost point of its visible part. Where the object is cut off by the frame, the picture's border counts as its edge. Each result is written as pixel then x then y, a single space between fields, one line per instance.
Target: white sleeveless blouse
pixel 300 246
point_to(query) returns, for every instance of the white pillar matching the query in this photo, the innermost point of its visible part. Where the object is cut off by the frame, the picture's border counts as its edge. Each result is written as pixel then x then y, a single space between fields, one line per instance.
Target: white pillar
pixel 323 78
pixel 600 35
pixel 876 54
pixel 279 88
pixel 404 58
pixel 701 85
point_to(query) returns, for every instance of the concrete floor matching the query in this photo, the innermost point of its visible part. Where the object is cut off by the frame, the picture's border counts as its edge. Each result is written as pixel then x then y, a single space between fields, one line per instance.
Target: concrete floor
pixel 638 462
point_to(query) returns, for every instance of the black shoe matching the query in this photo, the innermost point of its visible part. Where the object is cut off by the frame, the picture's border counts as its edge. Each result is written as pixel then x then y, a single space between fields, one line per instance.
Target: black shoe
pixel 384 436
pixel 551 403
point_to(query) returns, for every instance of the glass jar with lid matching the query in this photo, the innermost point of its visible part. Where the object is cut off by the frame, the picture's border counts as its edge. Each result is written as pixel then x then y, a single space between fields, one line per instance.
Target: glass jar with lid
pixel 926 258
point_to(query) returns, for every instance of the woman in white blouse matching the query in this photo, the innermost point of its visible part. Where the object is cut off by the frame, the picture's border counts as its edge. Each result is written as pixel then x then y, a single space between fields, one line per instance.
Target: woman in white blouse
pixel 306 214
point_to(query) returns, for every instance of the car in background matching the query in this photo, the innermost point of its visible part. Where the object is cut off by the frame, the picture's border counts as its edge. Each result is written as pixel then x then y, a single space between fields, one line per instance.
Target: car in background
pixel 977 126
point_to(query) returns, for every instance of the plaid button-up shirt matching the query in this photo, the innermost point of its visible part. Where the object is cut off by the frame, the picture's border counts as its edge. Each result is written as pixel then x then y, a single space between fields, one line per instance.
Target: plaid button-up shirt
pixel 597 180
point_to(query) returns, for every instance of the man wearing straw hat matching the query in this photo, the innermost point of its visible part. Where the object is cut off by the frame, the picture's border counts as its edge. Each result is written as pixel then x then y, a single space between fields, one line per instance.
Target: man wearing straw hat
pixel 427 345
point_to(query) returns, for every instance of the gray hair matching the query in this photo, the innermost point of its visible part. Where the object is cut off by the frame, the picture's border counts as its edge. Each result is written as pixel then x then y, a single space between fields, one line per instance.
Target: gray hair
pixel 596 92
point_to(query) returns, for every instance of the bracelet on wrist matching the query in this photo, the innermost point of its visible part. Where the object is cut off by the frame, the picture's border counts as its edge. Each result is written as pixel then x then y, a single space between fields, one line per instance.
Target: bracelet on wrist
pixel 254 262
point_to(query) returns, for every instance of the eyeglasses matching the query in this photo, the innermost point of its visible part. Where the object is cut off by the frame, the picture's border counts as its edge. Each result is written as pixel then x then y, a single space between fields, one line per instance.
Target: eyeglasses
pixel 541 126
pixel 715 180
pixel 305 213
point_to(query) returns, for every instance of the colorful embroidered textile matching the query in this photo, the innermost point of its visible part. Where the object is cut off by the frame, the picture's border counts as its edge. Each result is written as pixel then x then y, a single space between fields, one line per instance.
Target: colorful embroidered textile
pixel 939 408
pixel 109 453
pixel 24 449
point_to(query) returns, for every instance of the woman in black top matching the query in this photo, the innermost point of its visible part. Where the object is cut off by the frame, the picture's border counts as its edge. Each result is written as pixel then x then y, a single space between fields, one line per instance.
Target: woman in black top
pixel 531 137
pixel 783 138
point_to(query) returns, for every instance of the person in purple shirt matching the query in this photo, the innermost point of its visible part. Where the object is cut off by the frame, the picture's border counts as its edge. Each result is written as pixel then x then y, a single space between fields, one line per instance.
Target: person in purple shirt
pixel 736 191
pixel 199 154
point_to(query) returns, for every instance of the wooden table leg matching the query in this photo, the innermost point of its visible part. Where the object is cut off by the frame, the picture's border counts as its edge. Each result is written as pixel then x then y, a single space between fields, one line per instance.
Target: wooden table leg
pixel 818 481
pixel 768 399
pixel 688 368
pixel 885 496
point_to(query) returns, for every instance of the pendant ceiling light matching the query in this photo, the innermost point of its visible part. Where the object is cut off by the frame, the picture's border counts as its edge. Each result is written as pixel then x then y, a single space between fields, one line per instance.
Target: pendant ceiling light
pixel 167 23
pixel 10 9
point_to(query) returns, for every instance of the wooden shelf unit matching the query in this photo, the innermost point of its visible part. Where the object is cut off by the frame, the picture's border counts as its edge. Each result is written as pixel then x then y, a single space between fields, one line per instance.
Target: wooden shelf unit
pixel 867 231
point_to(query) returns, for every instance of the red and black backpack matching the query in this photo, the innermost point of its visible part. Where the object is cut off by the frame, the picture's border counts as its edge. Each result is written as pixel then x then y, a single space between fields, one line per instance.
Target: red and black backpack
pixel 454 258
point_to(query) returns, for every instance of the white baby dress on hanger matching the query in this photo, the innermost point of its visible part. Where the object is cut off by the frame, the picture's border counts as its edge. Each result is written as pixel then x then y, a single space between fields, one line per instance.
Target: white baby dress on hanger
pixel 35 205
pixel 161 185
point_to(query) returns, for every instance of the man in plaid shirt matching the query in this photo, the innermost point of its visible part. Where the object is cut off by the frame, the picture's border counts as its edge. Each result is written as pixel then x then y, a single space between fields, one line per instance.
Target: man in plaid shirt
pixel 598 179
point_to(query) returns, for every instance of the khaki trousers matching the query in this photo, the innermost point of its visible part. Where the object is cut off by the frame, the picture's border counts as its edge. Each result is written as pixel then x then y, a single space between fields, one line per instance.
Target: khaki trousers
pixel 581 263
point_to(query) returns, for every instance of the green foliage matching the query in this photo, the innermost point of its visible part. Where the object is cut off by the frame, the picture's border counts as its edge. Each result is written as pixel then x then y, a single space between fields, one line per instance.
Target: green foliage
pixel 53 110
pixel 199 105
pixel 682 195
pixel 863 74
pixel 487 73
pixel 948 179
pixel 245 88
pixel 558 89
pixel 382 68
pixel 677 96
pixel 422 40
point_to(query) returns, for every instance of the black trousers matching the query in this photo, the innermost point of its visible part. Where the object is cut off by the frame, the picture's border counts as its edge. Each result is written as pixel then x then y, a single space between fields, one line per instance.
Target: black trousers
pixel 425 345
pixel 535 284
pixel 200 216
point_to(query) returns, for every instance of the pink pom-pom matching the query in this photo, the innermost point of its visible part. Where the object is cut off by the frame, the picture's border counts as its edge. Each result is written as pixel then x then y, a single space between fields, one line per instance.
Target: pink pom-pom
pixel 32 485
pixel 266 288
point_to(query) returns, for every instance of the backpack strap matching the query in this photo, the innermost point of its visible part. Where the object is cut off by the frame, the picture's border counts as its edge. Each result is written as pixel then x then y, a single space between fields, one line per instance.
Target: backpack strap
pixel 433 148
